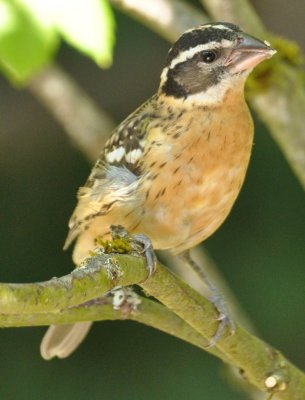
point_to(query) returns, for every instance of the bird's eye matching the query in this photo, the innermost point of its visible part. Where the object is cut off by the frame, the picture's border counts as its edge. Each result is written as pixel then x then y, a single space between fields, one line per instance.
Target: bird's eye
pixel 208 56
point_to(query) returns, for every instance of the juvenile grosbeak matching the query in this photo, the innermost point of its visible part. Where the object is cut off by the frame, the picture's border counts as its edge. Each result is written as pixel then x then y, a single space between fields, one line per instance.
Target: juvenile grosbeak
pixel 173 169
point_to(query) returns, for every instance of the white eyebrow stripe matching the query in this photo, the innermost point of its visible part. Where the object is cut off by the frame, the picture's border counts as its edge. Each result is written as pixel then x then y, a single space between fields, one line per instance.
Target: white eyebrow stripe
pixel 187 54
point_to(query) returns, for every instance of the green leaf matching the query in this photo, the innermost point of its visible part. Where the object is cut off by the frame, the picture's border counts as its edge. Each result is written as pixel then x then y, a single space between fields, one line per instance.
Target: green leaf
pixel 87 25
pixel 26 44
pixel 30 32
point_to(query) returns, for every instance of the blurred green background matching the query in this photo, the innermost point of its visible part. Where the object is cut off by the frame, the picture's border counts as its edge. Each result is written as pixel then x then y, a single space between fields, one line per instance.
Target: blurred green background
pixel 260 249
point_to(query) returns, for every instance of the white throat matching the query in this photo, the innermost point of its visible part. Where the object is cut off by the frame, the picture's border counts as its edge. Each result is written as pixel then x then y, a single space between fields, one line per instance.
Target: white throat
pixel 215 94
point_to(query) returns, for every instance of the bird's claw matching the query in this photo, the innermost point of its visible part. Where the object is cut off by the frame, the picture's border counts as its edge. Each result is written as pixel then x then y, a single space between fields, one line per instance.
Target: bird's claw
pixel 148 251
pixel 144 241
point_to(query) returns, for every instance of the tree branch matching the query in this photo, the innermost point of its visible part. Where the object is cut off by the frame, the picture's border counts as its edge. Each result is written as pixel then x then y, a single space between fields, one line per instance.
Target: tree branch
pixel 83 284
pixel 148 312
pixel 102 272
pixel 87 125
pixel 240 12
pixel 167 18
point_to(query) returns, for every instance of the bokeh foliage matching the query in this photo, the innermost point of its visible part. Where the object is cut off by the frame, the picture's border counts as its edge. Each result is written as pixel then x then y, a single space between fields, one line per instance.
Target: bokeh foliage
pixel 31 30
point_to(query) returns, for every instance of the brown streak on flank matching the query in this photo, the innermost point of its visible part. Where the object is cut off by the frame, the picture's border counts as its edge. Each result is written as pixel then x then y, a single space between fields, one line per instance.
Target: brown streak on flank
pixel 152 164
pixel 147 193
pixel 130 212
pixel 163 191
pixel 163 164
pixel 198 140
pixel 136 225
pixel 177 135
pixel 108 206
pixel 190 160
pixel 224 143
pixel 158 195
pixel 178 183
pixel 177 169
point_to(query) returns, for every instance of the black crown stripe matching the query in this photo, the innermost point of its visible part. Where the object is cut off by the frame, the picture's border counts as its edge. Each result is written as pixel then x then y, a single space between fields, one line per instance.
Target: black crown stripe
pixel 202 36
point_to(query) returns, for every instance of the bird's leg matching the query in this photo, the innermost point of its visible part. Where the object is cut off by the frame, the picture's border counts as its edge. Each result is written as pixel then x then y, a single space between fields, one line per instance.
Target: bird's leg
pixel 136 239
pixel 149 252
pixel 216 298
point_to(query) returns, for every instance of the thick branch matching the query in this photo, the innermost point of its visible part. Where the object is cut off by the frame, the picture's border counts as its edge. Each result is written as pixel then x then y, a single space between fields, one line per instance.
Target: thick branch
pixel 83 284
pixel 148 312
pixel 258 360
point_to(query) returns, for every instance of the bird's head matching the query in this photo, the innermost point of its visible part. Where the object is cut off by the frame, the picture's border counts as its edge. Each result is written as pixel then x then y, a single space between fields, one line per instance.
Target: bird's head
pixel 208 60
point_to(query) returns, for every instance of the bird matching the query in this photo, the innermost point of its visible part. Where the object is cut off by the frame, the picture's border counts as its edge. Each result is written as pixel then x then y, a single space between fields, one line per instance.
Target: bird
pixel 173 169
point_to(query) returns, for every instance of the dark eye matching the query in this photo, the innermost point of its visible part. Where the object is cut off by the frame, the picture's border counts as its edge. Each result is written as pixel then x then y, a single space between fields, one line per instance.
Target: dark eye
pixel 208 56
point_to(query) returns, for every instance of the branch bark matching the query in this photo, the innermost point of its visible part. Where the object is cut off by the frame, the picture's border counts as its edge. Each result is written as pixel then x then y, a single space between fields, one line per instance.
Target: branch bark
pixel 148 312
pixel 167 18
pixel 102 272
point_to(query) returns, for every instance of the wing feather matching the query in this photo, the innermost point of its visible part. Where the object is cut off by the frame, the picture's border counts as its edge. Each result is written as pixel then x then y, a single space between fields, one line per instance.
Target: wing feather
pixel 115 176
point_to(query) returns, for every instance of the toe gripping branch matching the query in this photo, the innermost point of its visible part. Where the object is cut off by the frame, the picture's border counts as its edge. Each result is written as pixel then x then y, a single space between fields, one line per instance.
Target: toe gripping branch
pixel 123 242
pixel 138 243
pixel 216 299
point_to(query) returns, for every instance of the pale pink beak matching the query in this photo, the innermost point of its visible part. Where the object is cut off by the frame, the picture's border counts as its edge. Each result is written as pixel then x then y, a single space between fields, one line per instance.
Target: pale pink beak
pixel 248 52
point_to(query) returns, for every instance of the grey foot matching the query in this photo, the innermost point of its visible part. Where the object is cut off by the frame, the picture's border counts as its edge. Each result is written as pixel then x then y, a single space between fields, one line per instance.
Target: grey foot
pixel 138 239
pixel 149 252
pixel 217 299
pixel 224 319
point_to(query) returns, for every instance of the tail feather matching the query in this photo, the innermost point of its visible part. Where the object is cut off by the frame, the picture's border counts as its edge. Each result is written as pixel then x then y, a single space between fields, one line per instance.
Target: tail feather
pixel 61 340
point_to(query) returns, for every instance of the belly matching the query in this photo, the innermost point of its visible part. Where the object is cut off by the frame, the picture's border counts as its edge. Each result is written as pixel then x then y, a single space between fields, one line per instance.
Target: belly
pixel 186 215
pixel 192 195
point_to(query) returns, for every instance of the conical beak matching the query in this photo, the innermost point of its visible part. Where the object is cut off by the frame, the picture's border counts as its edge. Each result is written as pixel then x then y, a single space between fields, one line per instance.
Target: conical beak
pixel 247 53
